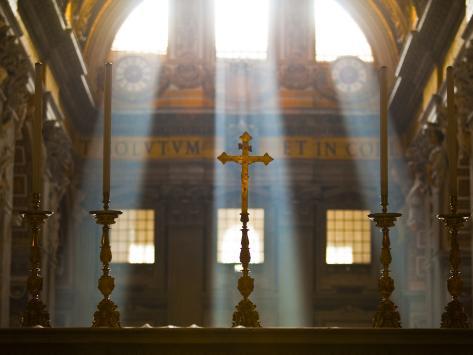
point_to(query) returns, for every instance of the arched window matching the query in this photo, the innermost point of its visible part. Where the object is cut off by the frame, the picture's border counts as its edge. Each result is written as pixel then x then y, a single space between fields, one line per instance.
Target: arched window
pixel 337 34
pixel 241 28
pixel 145 30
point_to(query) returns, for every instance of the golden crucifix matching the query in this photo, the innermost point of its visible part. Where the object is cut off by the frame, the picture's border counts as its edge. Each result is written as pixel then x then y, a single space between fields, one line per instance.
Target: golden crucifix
pixel 246 313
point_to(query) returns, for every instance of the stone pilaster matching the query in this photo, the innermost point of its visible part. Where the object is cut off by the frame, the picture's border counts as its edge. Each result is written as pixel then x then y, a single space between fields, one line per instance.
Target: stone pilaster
pixel 13 108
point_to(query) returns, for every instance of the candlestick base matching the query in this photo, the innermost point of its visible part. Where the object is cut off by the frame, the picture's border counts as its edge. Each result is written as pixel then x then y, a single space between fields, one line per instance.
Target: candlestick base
pixel 387 315
pixel 246 314
pixel 454 315
pixel 107 314
pixel 35 314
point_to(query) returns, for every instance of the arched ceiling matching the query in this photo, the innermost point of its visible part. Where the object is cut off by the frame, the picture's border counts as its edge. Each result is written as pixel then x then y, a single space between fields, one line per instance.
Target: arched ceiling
pixel 84 15
pixel 386 23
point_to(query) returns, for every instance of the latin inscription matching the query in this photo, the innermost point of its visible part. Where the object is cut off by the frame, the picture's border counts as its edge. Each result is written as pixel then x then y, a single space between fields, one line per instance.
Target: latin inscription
pixel 190 147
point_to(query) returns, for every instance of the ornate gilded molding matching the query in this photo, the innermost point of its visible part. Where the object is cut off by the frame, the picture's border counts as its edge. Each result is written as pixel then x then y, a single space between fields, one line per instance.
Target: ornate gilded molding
pixel 145 80
pixel 79 15
pixel 398 13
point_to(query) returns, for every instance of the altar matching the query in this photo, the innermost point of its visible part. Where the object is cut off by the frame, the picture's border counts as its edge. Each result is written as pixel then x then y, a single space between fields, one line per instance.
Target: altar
pixel 242 190
pixel 163 341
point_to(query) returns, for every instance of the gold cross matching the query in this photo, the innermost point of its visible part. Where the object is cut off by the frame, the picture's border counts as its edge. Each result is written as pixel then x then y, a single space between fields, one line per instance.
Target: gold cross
pixel 245 313
pixel 245 159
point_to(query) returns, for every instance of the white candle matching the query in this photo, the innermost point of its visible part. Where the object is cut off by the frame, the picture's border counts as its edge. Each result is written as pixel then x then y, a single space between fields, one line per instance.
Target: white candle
pixel 451 133
pixel 107 130
pixel 383 134
pixel 37 126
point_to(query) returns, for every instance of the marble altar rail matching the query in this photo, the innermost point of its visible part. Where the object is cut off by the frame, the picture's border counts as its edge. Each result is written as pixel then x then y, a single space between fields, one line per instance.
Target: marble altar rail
pixel 320 341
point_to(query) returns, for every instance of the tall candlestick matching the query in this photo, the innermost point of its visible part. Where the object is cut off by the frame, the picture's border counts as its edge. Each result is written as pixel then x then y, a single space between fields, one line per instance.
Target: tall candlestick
pixel 451 134
pixel 383 136
pixel 387 315
pixel 37 128
pixel 107 133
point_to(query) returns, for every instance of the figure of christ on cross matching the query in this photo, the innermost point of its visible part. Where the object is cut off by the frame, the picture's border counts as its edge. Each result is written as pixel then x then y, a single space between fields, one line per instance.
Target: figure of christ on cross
pixel 246 313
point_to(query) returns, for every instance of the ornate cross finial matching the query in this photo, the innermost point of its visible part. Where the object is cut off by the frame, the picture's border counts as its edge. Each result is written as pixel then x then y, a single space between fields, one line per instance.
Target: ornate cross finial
pixel 246 313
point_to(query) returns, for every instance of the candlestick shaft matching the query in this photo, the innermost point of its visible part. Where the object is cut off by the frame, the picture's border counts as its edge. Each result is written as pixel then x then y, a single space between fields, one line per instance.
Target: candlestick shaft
pixel 107 132
pixel 37 129
pixel 451 133
pixel 383 109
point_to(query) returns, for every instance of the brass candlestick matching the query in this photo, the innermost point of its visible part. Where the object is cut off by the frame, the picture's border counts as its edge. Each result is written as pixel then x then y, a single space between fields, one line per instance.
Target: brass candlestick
pixel 107 314
pixel 387 315
pixel 245 313
pixel 35 312
pixel 454 315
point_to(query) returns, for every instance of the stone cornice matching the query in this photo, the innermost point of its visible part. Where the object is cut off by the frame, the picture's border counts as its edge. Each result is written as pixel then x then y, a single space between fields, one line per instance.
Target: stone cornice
pixel 58 47
pixel 423 50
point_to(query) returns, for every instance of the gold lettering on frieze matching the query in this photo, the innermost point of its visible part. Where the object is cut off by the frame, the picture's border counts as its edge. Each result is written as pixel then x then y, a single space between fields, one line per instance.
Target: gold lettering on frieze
pixel 201 147
pixel 327 148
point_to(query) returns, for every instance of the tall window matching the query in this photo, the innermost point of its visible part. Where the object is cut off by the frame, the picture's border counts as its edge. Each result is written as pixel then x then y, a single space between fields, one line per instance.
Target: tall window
pixel 348 237
pixel 337 34
pixel 145 30
pixel 229 235
pixel 241 28
pixel 132 237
